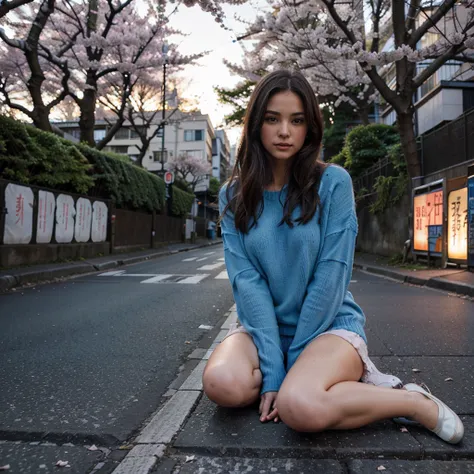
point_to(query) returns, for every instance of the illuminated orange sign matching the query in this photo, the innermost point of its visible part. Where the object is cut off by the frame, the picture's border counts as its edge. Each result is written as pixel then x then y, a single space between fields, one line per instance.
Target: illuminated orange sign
pixel 457 224
pixel 428 221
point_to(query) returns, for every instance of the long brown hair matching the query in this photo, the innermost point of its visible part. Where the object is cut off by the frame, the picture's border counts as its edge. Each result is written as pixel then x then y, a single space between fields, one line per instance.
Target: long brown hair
pixel 253 172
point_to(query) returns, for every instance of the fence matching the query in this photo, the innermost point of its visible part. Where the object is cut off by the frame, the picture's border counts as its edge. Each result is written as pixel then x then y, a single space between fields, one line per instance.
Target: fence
pixel 367 179
pixel 449 145
pixel 39 224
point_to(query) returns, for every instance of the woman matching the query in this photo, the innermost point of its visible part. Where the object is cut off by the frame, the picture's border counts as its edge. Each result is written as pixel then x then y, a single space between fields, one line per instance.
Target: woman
pixel 289 228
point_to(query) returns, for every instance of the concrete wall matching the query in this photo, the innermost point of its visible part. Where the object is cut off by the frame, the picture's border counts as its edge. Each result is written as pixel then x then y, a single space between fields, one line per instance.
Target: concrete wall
pixel 14 255
pixel 384 233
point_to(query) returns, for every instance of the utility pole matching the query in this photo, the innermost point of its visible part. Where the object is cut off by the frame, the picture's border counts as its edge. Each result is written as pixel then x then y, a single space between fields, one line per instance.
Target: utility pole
pixel 164 50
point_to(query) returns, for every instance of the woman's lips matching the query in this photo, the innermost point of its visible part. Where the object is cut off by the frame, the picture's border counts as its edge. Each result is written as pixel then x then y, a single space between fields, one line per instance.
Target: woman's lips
pixel 281 146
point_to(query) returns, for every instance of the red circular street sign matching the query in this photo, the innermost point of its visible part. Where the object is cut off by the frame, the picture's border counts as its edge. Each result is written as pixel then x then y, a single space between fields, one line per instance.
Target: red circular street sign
pixel 169 177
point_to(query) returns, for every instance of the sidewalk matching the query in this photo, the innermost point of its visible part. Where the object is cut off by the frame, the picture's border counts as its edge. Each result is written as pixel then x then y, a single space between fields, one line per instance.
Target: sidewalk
pixel 20 276
pixel 189 434
pixel 453 280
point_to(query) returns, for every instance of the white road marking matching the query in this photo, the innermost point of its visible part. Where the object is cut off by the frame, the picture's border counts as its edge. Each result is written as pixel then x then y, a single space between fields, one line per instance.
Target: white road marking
pixel 209 253
pixel 156 279
pixel 193 279
pixel 206 327
pixel 221 259
pixel 213 266
pixel 201 259
pixel 139 275
pixel 353 281
pixel 189 259
pixel 109 274
pixel 222 276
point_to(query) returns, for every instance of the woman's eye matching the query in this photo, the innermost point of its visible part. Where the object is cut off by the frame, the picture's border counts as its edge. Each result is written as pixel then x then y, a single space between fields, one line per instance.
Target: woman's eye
pixel 298 121
pixel 270 119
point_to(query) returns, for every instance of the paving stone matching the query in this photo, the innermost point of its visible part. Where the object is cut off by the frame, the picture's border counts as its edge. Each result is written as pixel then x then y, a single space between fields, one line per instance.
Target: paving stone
pixel 239 432
pixel 359 466
pixel 211 465
pixel 194 381
pixel 438 449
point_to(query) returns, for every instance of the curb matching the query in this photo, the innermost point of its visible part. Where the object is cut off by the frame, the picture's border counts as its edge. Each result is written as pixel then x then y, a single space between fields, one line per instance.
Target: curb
pixel 8 282
pixel 437 283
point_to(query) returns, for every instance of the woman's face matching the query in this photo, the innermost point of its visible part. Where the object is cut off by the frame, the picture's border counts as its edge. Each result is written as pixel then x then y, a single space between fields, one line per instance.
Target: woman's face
pixel 284 126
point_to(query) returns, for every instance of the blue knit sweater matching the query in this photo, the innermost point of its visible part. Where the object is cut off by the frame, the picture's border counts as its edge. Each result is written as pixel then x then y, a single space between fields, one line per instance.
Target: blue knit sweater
pixel 292 283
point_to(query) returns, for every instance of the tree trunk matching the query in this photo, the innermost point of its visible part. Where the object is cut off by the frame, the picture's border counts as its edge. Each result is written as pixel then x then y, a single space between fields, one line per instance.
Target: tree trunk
pixel 87 105
pixel 40 113
pixel 364 115
pixel 143 150
pixel 407 137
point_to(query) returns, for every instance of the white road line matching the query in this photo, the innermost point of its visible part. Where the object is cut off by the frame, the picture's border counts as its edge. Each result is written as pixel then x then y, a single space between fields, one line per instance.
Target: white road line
pixel 156 279
pixel 189 259
pixel 109 274
pixel 221 259
pixel 193 279
pixel 222 276
pixel 209 253
pixel 213 266
pixel 139 275
pixel 201 259
pixel 353 281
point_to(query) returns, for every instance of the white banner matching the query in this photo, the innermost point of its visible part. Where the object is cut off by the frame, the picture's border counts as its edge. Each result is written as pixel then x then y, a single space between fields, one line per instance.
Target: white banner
pixel 64 219
pixel 19 218
pixel 46 206
pixel 99 222
pixel 82 231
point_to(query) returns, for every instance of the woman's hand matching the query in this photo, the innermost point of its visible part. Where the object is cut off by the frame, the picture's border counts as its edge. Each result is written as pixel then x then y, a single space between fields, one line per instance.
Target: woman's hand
pixel 268 410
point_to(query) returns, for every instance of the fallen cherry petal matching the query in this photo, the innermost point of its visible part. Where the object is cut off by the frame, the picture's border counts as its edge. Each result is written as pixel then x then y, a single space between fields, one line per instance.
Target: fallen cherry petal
pixel 381 468
pixel 93 448
pixel 403 429
pixel 190 458
pixel 63 464
pixel 5 468
pixel 416 370
pixel 449 379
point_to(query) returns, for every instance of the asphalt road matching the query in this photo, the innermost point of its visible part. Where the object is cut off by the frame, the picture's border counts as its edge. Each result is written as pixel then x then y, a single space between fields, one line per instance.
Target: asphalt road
pixel 91 357
pixel 89 360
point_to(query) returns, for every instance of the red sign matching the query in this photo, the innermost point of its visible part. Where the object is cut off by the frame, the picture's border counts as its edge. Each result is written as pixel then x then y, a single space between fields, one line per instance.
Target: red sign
pixel 169 177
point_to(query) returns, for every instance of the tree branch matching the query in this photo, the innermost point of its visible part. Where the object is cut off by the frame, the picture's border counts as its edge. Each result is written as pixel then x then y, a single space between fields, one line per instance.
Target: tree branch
pixel 7 6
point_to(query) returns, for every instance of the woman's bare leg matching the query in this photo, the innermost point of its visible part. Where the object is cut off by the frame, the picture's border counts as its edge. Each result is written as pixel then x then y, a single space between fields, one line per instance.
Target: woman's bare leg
pixel 322 391
pixel 232 377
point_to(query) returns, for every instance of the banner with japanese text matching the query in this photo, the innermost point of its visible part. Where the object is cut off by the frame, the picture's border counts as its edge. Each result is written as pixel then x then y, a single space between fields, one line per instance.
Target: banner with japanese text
pixel 65 213
pixel 457 224
pixel 19 202
pixel 82 231
pixel 428 222
pixel 99 222
pixel 46 208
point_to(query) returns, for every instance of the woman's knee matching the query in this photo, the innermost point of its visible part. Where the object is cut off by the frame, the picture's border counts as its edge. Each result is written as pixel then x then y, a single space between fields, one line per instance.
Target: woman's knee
pixel 303 413
pixel 230 388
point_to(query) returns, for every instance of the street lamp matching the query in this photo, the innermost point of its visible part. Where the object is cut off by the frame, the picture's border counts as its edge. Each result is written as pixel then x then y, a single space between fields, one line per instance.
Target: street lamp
pixel 164 50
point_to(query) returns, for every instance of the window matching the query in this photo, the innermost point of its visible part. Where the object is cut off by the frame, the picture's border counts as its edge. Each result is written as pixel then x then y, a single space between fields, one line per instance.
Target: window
pixel 123 150
pixel 99 135
pixel 122 134
pixel 193 135
pixel 194 153
pixel 75 132
pixel 134 134
pixel 157 156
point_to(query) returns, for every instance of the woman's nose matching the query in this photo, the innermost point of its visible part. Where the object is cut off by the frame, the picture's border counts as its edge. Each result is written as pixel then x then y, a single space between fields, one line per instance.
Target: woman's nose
pixel 284 130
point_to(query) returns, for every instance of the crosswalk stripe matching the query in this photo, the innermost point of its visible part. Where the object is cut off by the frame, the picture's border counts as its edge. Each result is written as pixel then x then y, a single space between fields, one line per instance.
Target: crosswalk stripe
pixel 221 259
pixel 109 274
pixel 156 279
pixel 193 279
pixel 222 276
pixel 213 266
pixel 209 253
pixel 201 259
pixel 189 259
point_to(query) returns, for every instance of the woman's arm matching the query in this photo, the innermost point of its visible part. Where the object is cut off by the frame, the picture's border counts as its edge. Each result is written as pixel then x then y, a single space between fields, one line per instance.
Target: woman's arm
pixel 254 302
pixel 332 274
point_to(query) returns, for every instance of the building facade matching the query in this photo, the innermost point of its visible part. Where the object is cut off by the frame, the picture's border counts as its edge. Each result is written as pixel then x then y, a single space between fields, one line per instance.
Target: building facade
pixel 221 156
pixel 190 134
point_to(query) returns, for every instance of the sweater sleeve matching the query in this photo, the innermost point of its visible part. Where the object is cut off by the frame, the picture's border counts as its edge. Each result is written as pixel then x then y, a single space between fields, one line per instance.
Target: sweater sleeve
pixel 333 269
pixel 254 302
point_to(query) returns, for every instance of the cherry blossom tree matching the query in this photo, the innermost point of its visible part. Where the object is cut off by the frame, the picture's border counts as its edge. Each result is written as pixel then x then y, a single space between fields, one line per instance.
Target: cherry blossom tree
pixel 190 169
pixel 343 51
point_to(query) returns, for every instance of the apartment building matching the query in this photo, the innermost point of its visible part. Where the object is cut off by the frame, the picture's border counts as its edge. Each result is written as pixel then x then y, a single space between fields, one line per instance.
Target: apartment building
pixel 221 153
pixel 184 133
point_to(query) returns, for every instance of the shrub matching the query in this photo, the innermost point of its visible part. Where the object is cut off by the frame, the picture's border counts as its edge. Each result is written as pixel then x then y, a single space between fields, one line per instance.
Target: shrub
pixel 182 202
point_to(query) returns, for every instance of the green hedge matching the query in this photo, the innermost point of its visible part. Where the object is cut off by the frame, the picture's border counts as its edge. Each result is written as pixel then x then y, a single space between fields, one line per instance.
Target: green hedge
pixel 181 203
pixel 128 185
pixel 365 145
pixel 31 156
